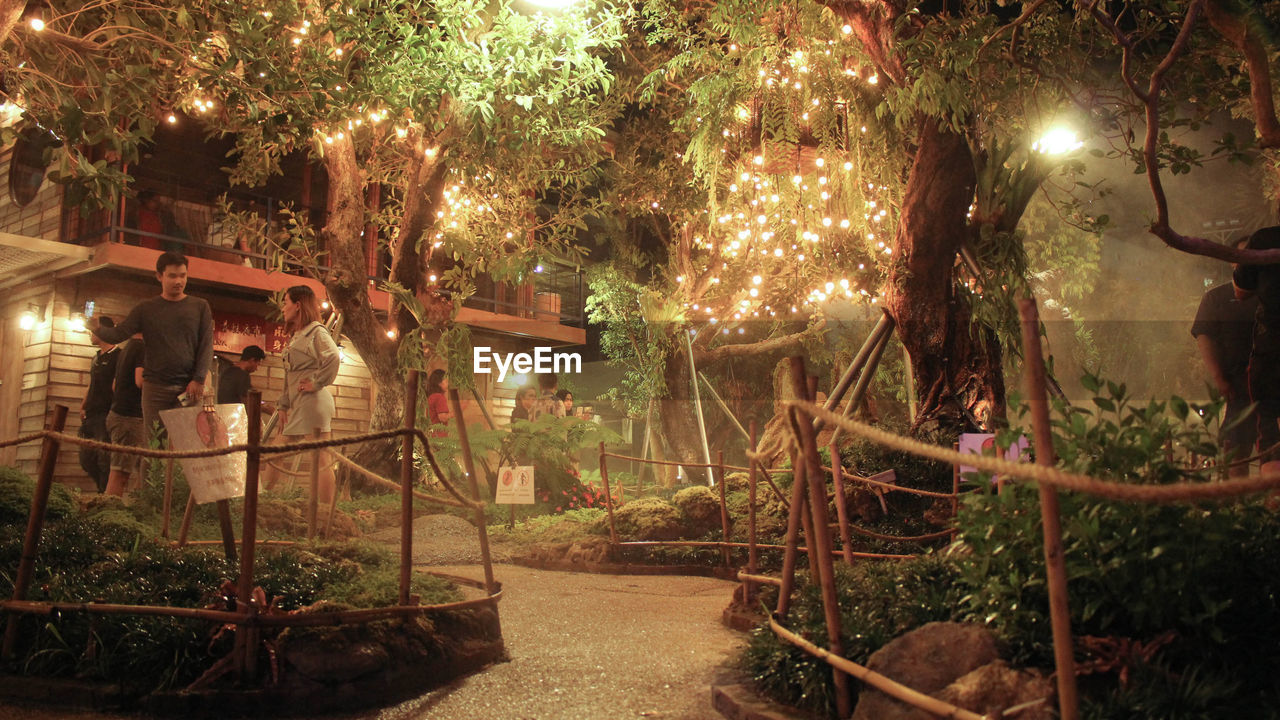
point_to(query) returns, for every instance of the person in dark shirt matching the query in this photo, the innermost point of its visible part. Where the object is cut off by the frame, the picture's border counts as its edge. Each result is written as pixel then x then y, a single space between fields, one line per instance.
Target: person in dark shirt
pixel 178 330
pixel 1223 330
pixel 94 408
pixel 526 398
pixel 234 382
pixel 124 420
pixel 1264 354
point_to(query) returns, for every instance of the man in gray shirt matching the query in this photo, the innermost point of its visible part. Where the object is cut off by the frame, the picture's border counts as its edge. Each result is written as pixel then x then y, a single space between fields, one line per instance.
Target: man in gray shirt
pixel 178 331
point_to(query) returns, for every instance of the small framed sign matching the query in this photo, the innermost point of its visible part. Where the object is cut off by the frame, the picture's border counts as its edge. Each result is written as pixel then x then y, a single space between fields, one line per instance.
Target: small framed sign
pixel 515 485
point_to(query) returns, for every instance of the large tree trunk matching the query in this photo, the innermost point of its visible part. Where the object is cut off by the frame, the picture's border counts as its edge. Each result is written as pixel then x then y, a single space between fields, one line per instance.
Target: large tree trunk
pixel 957 366
pixel 348 288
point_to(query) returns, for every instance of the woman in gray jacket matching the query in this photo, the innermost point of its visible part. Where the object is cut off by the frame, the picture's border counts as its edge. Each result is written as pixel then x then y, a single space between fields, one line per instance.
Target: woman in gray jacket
pixel 310 367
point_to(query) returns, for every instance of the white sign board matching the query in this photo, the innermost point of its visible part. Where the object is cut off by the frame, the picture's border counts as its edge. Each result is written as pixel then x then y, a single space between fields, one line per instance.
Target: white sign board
pixel 515 485
pixel 191 428
pixel 985 444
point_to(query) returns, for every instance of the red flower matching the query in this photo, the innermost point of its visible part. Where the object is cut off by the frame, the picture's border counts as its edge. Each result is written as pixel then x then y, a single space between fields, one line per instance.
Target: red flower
pixel 559 509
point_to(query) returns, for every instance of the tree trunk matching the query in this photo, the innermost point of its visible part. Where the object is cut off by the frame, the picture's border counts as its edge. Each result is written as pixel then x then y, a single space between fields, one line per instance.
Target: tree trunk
pixel 679 423
pixel 348 288
pixel 957 366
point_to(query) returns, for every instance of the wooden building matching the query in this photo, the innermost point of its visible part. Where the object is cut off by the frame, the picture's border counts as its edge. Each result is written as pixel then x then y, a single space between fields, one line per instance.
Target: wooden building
pixel 57 265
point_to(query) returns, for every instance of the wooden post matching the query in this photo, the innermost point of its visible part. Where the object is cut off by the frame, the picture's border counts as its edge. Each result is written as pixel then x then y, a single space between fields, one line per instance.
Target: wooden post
pixel 35 523
pixel 753 552
pixel 406 484
pixel 1050 516
pixel 313 501
pixel 608 496
pixel 168 499
pixel 854 371
pixel 955 493
pixel 864 381
pixel 228 534
pixel 821 537
pixel 798 494
pixel 469 464
pixel 842 509
pixel 697 407
pixel 724 508
pixel 249 530
pixel 187 515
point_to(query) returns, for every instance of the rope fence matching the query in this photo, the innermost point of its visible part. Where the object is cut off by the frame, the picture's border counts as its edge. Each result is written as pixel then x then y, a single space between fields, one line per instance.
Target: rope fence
pixel 250 616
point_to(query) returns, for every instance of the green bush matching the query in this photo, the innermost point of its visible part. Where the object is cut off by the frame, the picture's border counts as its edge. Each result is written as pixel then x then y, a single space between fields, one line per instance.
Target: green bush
pixel 16 491
pixel 1210 575
pixel 648 519
pixel 878 602
pixel 700 507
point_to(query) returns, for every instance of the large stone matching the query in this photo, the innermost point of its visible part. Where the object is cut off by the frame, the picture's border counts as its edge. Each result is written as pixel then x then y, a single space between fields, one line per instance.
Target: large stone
pixel 996 687
pixel 926 659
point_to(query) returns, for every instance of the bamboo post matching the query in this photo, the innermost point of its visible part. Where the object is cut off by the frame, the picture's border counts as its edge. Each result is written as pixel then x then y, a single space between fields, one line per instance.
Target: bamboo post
pixel 608 496
pixel 955 492
pixel 313 502
pixel 724 407
pixel 187 516
pixel 753 552
pixel 697 407
pixel 724 508
pixel 909 380
pixel 792 542
pixel 842 509
pixel 249 530
pixel 168 499
pixel 35 523
pixel 469 464
pixel 1050 516
pixel 821 538
pixel 868 372
pixel 406 484
pixel 224 525
pixel 854 371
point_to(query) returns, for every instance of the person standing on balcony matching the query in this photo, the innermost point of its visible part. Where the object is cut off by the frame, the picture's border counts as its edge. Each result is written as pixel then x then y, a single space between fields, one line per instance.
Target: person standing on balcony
pixel 94 409
pixel 178 330
pixel 310 366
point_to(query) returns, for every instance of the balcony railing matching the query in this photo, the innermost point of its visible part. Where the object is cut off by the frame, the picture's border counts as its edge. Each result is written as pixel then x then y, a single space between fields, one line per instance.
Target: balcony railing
pixel 552 292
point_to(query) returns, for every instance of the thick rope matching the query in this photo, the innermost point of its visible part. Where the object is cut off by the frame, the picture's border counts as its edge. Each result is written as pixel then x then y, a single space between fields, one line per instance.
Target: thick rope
pixel 1178 492
pixel 389 483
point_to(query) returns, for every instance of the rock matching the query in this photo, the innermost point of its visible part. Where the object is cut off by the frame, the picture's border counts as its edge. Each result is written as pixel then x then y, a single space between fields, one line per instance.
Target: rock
pixel 994 687
pixel 588 550
pixel 337 663
pixel 926 659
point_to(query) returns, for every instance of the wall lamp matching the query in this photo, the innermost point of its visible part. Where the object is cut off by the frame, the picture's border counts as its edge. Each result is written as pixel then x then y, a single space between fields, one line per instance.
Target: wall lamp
pixel 31 317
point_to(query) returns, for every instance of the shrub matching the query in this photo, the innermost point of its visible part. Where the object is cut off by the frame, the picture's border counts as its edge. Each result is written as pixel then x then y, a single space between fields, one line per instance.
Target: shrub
pixel 16 491
pixel 878 602
pixel 700 507
pixel 1196 589
pixel 648 519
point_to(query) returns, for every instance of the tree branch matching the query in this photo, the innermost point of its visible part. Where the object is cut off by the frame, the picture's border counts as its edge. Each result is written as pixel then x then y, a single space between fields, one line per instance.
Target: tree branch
pixel 1243 34
pixel 780 345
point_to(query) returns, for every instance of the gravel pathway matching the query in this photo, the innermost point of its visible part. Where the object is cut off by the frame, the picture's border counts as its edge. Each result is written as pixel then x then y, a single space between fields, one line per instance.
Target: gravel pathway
pixel 582 646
